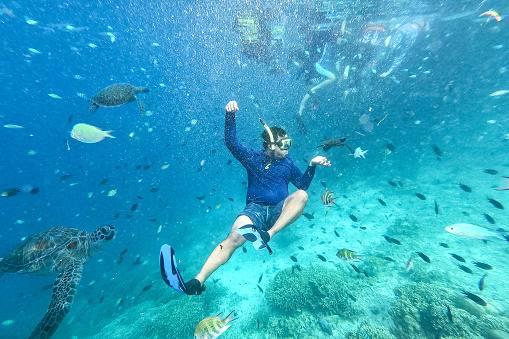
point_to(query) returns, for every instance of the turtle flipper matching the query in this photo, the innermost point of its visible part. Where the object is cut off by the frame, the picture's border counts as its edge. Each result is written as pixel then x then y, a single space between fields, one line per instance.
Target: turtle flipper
pixel 142 107
pixel 64 290
pixel 92 108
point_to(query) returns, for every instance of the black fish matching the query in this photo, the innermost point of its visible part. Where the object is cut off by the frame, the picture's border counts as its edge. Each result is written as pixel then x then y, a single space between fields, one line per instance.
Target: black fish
pixel 146 288
pixel 436 208
pixel 400 184
pixel 335 143
pixel 483 265
pixel 101 299
pixel 443 244
pixel 489 218
pixel 353 217
pixel 481 282
pixel 475 298
pixel 356 268
pixel 392 183
pixel 260 279
pixel 491 171
pixel 495 203
pixel 308 215
pixel 382 202
pixel 137 261
pixel 293 258
pixel 201 198
pixel 104 182
pixel 229 162
pixel 465 269
pixel 153 219
pixel 300 248
pixel 362 227
pixel 323 184
pixel 336 233
pixel 139 197
pixel 231 199
pixel 146 167
pixel 437 150
pixel 34 190
pixel 321 257
pixel 420 196
pixel 457 257
pixel 116 216
pixel 134 207
pixel 138 167
pixel 244 249
pixel 388 259
pixel 123 252
pixel 465 188
pixel 391 147
pixel 259 288
pixel 154 190
pixel 65 177
pixel 423 257
pixel 199 169
pixel 449 314
pixel 392 240
pixel 258 322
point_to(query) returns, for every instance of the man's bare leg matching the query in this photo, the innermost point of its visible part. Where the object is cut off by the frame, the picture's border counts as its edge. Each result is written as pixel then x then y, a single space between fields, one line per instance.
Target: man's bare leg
pixel 292 209
pixel 223 252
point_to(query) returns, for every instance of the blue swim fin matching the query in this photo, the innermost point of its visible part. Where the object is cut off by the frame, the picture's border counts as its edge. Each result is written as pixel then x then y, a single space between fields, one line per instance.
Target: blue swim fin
pixel 251 234
pixel 169 270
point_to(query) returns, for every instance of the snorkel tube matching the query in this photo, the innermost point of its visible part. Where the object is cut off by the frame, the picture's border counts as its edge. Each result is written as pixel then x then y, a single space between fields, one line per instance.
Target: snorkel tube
pixel 272 143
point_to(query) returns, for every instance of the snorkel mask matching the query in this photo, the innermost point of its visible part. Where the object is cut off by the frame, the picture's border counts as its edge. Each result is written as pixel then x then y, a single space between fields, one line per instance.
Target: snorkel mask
pixel 283 144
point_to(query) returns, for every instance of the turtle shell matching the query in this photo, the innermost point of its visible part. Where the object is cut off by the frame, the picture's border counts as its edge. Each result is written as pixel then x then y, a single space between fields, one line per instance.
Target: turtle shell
pixel 115 95
pixel 48 251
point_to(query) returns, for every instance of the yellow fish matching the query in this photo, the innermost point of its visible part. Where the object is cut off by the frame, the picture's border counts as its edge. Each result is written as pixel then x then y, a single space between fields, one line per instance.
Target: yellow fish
pixel 89 134
pixel 348 255
pixel 497 93
pixel 213 327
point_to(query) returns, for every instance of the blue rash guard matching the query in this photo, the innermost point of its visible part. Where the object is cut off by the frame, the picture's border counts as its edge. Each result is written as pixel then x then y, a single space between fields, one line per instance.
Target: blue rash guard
pixel 265 186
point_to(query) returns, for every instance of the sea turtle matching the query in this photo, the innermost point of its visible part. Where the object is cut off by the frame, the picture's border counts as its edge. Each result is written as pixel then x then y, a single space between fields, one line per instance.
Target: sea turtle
pixel 59 249
pixel 117 95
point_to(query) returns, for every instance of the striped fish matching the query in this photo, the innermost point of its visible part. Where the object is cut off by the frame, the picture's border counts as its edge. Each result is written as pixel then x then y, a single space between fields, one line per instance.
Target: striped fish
pixel 328 200
pixel 348 255
pixel 213 327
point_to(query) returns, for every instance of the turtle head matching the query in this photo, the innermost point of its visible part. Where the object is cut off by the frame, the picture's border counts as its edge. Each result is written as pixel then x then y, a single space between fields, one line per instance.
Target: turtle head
pixel 102 234
pixel 141 90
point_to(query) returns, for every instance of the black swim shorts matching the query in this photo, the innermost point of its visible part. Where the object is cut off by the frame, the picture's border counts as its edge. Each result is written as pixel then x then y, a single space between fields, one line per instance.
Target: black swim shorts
pixel 263 217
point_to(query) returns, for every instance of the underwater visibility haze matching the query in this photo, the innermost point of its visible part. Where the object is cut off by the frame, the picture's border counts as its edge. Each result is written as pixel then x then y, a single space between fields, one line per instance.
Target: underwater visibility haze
pixel 112 134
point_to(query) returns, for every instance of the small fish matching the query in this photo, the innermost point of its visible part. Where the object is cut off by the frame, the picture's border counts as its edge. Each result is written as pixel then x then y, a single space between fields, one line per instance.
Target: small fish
pixel 473 231
pixel 424 257
pixel 12 126
pixel 481 282
pixel 388 259
pixel 137 261
pixel 293 258
pixel 146 288
pixel 261 290
pixel 444 245
pixel 229 162
pixel 65 177
pixel 134 207
pixel 392 240
pixel 383 203
pixel 231 199
pixel 89 134
pixel 334 143
pixel 309 216
pixel 475 298
pixel 244 249
pixel 260 279
pixel 449 314
pixel 323 184
pixel 495 203
pixel 436 208
pixel 34 190
pixel 483 265
pixel 300 248
pixel 356 269
pixel 321 257
pixel 392 183
pixel 353 217
pixel 409 264
pixel 465 269
pixel 491 171
pixel 391 147
pixel 201 198
pixel 489 218
pixel 465 188
pixel 55 96
pixel 336 233
pixel 362 227
pixel 213 327
pixel 10 192
pixel 457 257
pixel 123 252
pixel 104 182
pixel 420 196
pixel 154 190
pixel 328 200
pixel 348 255
pixel 437 150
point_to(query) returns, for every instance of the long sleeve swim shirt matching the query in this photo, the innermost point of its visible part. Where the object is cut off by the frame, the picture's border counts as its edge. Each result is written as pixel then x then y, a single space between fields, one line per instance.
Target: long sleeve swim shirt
pixel 265 186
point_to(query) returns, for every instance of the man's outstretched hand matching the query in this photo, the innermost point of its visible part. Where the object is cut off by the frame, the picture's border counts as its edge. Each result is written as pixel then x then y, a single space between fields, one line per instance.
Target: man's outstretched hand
pixel 232 107
pixel 319 160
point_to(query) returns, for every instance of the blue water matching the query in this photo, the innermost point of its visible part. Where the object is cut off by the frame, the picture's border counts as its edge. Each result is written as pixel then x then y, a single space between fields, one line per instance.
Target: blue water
pixel 189 57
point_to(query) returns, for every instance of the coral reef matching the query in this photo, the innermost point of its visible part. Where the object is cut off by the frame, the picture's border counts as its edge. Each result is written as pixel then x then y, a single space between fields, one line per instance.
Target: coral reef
pixel 407 227
pixel 423 310
pixel 317 289
pixel 366 330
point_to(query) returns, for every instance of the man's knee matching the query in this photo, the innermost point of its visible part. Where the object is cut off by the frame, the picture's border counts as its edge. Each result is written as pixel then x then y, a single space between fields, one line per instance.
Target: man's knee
pixel 302 196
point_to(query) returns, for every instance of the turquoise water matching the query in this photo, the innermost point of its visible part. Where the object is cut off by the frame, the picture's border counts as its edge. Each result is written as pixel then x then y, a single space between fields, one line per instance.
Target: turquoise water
pixel 189 57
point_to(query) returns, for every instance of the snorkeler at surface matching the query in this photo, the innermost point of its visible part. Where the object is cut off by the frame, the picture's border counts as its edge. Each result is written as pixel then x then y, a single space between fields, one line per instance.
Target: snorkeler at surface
pixel 269 206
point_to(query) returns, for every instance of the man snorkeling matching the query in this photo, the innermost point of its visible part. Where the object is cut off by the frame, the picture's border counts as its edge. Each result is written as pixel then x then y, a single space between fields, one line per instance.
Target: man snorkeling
pixel 269 207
